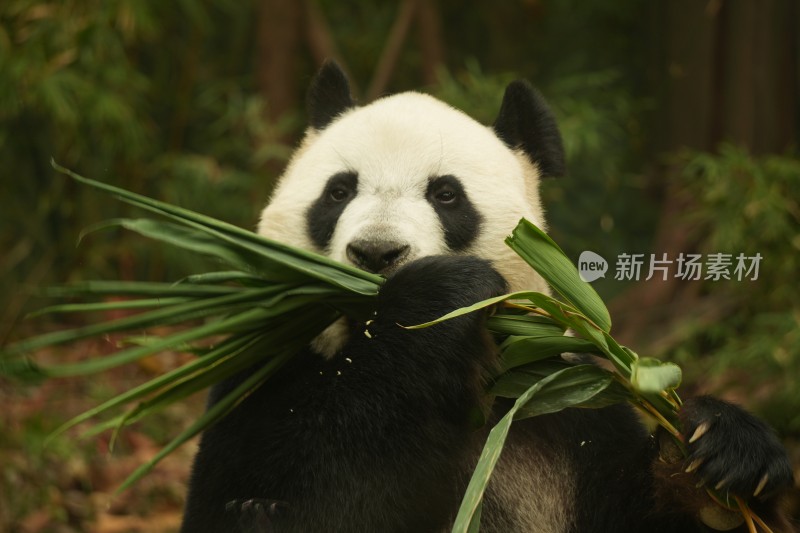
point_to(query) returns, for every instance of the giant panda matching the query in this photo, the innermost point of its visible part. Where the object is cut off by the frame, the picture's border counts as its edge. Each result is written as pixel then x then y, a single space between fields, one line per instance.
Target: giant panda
pixel 371 429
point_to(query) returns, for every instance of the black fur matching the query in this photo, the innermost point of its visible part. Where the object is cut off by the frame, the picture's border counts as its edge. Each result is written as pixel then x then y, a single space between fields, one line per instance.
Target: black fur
pixel 379 438
pixel 526 122
pixel 737 450
pixel 460 220
pixel 324 213
pixel 329 96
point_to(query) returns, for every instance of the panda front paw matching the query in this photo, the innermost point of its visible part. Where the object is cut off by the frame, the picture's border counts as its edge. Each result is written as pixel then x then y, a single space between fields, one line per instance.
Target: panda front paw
pixel 428 288
pixel 732 450
pixel 256 515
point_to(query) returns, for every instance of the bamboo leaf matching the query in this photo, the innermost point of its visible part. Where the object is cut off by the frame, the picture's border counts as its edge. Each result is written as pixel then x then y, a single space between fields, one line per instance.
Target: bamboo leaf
pixel 239 322
pixel 137 288
pixel 212 415
pixel 514 383
pixel 173 314
pixel 563 389
pixel 651 376
pixel 475 523
pixel 305 298
pixel 517 351
pixel 547 258
pixel 208 245
pixel 554 308
pixel 224 277
pixel 525 325
pixel 229 347
pixel 574 387
pixel 314 265
pixel 284 333
pixel 614 394
pixel 116 305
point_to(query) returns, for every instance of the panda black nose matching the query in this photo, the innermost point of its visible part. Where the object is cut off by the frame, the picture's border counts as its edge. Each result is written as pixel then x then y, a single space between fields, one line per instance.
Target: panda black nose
pixel 377 256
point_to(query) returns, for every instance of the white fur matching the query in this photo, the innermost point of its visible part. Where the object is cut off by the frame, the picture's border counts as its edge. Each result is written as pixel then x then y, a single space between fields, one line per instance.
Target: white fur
pixel 395 145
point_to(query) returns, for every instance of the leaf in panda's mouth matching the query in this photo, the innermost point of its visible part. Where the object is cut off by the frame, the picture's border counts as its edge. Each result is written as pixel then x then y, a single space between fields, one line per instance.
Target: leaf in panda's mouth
pixel 269 295
pixel 277 258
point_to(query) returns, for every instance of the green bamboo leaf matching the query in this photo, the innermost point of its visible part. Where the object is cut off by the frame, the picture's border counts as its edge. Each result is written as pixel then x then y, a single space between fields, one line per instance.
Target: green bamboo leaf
pixel 181 389
pixel 314 265
pixel 173 314
pixel 651 376
pixel 318 267
pixel 115 305
pixel 136 288
pixel 229 347
pixel 284 333
pixel 238 322
pixel 517 351
pixel 212 415
pixel 559 311
pixel 621 358
pixel 574 388
pixel 566 388
pixel 255 316
pixel 614 394
pixel 475 523
pixel 525 325
pixel 514 383
pixel 547 258
pixel 230 276
pixel 213 247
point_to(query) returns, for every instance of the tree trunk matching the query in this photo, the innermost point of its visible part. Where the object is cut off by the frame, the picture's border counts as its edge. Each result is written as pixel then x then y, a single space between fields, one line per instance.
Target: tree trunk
pixel 277 39
pixel 727 71
pixel 430 40
pixel 392 49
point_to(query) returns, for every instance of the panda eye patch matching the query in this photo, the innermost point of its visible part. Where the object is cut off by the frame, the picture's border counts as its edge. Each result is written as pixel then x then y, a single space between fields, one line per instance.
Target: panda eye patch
pixel 323 215
pixel 460 220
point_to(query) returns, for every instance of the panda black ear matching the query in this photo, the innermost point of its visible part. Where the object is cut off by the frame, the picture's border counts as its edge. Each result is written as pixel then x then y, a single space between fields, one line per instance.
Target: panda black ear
pixel 328 96
pixel 526 122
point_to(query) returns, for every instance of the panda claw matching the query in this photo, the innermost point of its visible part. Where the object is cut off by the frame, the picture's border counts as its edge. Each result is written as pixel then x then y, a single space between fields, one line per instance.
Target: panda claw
pixel 701 430
pixel 721 484
pixel 694 465
pixel 761 485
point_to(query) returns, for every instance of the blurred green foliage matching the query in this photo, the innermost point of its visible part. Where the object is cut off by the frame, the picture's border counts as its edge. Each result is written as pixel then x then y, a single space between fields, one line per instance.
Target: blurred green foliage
pixel 161 98
pixel 155 96
pixel 749 205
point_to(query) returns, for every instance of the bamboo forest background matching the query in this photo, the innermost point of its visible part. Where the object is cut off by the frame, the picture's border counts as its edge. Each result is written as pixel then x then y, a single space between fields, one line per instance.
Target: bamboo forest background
pixel 680 120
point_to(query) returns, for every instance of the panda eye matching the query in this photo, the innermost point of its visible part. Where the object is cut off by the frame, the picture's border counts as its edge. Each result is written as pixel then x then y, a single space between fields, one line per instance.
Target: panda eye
pixel 446 192
pixel 338 194
pixel 446 196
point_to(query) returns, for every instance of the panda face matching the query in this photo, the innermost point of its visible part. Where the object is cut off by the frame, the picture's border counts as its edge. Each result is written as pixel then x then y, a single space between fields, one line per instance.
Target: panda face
pixel 402 178
pixel 379 246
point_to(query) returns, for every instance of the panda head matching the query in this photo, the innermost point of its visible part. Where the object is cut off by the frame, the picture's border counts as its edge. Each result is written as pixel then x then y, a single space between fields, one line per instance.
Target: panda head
pixel 408 176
